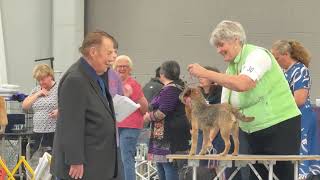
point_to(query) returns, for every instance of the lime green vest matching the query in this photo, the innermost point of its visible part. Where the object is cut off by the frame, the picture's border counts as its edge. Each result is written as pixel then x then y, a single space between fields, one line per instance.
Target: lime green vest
pixel 271 101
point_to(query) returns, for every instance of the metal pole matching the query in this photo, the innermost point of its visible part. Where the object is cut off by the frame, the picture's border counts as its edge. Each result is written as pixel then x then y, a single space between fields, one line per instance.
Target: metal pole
pixel 296 165
pixel 51 59
pixel 194 175
pixel 270 170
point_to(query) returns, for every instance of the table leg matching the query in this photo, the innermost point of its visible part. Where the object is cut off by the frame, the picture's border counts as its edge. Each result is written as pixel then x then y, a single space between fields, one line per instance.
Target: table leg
pixel 255 171
pixel 267 165
pixel 220 173
pixel 234 173
pixel 148 169
pixel 194 164
pixel 2 146
pixel 270 170
pixel 296 169
pixel 194 175
pixel 20 154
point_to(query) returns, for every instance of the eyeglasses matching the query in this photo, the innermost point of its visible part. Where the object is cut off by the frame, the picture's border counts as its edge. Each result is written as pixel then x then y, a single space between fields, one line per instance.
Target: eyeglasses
pixel 122 66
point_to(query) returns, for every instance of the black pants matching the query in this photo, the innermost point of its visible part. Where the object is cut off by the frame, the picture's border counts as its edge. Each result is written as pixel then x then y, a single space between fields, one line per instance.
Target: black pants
pixel 280 139
pixel 120 166
pixel 43 139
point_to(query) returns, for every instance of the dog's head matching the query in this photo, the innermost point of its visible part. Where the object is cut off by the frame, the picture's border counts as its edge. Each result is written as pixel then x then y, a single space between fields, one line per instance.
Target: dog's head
pixel 188 93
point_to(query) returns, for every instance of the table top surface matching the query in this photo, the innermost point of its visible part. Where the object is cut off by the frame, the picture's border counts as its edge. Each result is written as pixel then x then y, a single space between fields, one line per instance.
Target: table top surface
pixel 246 157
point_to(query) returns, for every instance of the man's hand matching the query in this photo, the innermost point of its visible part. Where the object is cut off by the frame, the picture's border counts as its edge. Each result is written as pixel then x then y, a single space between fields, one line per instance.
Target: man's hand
pixel 76 171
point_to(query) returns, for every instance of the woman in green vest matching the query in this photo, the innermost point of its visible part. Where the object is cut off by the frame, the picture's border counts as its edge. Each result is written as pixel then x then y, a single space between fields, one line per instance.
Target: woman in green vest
pixel 254 82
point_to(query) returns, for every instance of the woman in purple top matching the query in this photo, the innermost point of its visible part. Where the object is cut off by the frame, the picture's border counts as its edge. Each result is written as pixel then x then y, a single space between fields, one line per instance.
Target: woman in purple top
pixel 170 131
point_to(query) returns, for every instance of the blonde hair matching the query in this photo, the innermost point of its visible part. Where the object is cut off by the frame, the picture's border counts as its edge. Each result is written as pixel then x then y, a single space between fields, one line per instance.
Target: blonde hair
pixel 123 57
pixel 42 70
pixel 294 49
pixel 228 30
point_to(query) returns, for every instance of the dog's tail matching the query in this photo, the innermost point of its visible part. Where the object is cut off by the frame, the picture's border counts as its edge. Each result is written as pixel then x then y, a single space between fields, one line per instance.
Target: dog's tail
pixel 241 116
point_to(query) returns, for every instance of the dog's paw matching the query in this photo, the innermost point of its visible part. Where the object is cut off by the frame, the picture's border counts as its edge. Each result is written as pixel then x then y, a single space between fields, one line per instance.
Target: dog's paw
pixel 192 153
pixel 203 152
pixel 223 154
pixel 235 154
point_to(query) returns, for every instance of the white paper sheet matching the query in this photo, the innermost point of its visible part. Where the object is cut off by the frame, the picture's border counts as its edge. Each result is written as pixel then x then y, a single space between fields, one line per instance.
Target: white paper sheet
pixel 123 107
pixel 42 171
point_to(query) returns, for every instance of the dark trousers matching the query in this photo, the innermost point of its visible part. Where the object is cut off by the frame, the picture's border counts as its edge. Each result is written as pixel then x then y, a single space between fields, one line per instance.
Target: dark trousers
pixel 280 139
pixel 43 139
pixel 120 166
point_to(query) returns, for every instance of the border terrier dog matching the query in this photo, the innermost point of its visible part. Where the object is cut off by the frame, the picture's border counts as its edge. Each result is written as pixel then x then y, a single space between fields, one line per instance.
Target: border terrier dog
pixel 211 118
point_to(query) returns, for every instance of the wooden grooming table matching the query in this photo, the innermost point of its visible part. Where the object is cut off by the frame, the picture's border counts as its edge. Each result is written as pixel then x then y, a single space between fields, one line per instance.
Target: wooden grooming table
pixel 244 160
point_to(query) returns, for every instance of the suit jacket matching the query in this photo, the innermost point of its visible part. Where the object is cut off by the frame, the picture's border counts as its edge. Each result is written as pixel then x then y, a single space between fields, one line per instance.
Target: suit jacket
pixel 86 131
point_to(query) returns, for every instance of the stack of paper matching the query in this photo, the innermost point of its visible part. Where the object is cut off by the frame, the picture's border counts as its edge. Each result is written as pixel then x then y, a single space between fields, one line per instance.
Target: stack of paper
pixel 42 171
pixel 123 107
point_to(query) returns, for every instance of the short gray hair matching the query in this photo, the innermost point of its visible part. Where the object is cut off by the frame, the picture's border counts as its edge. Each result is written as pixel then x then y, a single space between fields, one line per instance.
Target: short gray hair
pixel 170 70
pixel 228 30
pixel 123 57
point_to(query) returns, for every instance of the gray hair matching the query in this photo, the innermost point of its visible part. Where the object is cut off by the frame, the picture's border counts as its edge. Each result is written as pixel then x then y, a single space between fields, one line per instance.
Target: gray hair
pixel 228 30
pixel 123 57
pixel 170 70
